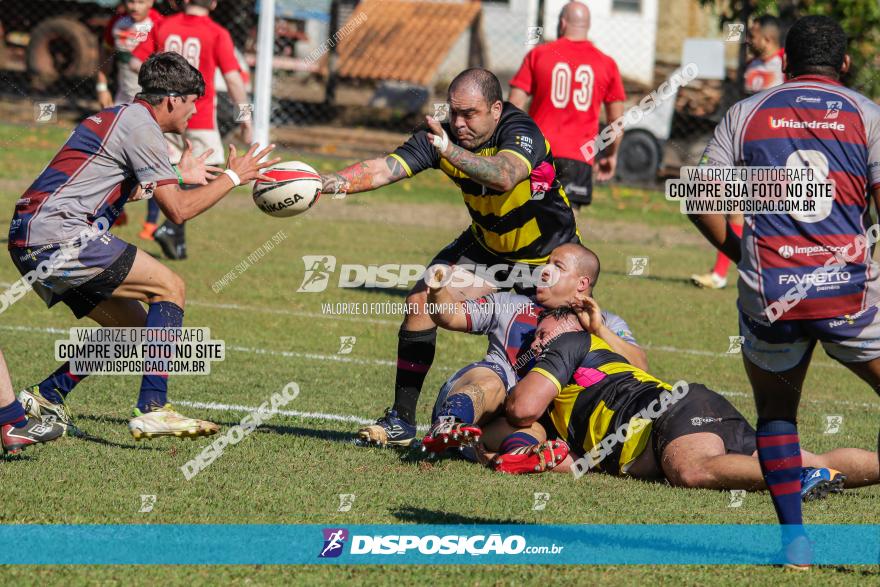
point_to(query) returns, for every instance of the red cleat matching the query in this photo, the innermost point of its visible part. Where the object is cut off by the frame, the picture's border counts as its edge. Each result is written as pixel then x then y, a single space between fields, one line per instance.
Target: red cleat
pixel 446 433
pixel 536 458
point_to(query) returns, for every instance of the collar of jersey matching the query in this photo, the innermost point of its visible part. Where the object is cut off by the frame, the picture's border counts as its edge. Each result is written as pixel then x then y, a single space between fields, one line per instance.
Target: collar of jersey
pixel 816 78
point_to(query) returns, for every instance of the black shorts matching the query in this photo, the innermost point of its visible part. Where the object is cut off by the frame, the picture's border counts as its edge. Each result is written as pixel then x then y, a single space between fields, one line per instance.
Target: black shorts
pixel 86 278
pixel 467 250
pixel 703 410
pixel 576 178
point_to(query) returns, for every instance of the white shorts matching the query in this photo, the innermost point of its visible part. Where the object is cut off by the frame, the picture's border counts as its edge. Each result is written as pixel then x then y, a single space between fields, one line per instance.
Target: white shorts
pixel 202 140
pixel 784 344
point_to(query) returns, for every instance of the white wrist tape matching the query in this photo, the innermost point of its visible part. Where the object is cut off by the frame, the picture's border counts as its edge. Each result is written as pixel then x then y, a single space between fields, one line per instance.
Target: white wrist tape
pixel 233 176
pixel 441 142
pixel 101 87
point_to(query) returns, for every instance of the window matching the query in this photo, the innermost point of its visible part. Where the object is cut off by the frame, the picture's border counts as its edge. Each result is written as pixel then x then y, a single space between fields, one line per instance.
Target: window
pixel 626 5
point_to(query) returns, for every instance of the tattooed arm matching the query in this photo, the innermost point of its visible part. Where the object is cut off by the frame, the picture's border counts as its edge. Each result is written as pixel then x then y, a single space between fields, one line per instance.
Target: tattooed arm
pixel 499 172
pixel 364 176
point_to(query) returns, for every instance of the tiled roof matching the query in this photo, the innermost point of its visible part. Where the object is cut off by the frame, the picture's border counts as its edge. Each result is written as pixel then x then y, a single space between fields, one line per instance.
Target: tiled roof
pixel 404 40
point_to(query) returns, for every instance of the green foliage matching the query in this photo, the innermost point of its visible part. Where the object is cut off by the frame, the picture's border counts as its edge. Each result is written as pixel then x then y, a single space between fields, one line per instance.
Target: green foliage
pixel 860 20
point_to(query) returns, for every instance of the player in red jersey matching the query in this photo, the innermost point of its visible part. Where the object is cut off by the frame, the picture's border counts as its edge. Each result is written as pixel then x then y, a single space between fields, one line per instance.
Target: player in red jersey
pixel 568 80
pixel 207 46
pixel 125 31
pixel 762 73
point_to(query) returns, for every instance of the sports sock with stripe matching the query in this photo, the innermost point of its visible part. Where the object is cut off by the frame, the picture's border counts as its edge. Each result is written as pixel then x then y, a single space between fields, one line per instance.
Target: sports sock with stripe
pixel 60 383
pixel 517 440
pixel 154 386
pixel 779 452
pixel 460 406
pixel 13 414
pixel 415 354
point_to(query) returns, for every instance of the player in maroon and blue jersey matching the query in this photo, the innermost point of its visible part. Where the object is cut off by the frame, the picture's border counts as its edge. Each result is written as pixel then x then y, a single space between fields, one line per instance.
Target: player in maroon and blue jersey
pixel 803 277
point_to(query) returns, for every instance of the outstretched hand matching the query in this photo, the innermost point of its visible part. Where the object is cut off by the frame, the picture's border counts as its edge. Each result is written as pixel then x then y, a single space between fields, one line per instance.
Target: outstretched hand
pixel 193 169
pixel 249 166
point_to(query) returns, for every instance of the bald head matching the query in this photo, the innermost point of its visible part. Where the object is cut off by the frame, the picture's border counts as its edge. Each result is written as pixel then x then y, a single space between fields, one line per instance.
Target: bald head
pixel 585 261
pixel 479 81
pixel 574 21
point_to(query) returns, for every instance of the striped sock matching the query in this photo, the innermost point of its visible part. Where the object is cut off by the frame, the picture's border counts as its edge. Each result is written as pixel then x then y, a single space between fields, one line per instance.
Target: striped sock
pixel 516 440
pixel 57 385
pixel 460 406
pixel 13 414
pixel 779 452
pixel 154 386
pixel 415 354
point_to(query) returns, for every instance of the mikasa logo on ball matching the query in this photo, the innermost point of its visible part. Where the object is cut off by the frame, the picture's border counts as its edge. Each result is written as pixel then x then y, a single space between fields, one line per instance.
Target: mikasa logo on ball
pixel 294 188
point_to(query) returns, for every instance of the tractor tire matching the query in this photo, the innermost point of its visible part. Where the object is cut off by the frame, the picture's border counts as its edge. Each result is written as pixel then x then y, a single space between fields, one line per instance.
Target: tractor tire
pixel 61 47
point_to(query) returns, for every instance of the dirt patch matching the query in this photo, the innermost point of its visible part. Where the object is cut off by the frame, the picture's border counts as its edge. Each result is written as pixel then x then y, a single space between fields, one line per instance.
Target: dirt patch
pixel 455 217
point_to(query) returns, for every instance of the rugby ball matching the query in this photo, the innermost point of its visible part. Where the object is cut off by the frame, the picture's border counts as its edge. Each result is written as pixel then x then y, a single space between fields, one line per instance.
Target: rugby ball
pixel 296 188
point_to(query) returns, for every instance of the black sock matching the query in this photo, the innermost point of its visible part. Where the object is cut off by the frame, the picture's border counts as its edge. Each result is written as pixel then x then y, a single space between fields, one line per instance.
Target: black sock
pixel 177 229
pixel 415 353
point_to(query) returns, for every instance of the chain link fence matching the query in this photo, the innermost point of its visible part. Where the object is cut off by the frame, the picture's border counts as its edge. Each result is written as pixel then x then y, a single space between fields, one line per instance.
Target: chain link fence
pixel 352 78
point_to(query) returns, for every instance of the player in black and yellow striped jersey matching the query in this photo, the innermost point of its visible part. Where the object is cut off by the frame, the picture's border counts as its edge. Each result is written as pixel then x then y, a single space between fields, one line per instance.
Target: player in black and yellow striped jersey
pixel 619 394
pixel 621 420
pixel 503 164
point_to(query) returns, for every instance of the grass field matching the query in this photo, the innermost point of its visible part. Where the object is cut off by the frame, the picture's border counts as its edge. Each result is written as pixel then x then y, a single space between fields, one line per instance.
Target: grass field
pixel 292 470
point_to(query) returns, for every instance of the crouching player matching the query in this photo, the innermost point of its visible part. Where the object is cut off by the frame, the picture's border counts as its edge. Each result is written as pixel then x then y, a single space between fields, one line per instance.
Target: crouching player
pixel 118 153
pixel 475 395
pixel 580 391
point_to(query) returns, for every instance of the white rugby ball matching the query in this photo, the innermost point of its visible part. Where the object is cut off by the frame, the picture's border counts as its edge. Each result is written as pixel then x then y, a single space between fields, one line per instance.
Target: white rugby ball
pixel 296 188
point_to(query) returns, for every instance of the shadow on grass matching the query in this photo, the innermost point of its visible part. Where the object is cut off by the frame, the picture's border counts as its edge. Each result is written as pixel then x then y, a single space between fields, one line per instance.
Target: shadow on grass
pixel 386 291
pixel 662 279
pixel 103 441
pixel 425 516
pixel 331 435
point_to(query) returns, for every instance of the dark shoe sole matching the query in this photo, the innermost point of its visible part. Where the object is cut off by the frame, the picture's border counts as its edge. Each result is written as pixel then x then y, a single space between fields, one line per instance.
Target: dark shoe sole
pixel 823 488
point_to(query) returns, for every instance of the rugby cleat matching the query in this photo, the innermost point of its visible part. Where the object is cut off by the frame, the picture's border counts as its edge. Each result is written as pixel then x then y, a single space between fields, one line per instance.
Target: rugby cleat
pixel 147 231
pixel 709 280
pixel 171 241
pixel 798 553
pixel 535 458
pixel 390 429
pixel 817 483
pixel 14 439
pixel 40 408
pixel 446 433
pixel 166 421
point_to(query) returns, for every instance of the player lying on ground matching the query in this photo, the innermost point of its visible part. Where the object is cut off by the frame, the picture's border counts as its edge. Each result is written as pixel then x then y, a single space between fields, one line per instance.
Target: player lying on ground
pixel 582 393
pixel 476 393
pixel 503 165
pixel 17 431
pixel 118 153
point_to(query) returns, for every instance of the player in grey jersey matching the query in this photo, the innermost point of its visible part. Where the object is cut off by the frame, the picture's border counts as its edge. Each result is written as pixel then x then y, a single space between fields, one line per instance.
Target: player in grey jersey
pixel 113 156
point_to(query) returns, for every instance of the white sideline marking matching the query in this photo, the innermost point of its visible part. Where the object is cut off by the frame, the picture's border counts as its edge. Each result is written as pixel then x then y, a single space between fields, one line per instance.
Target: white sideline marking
pixel 296 313
pixel 314 356
pixel 295 413
pixel 384 363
